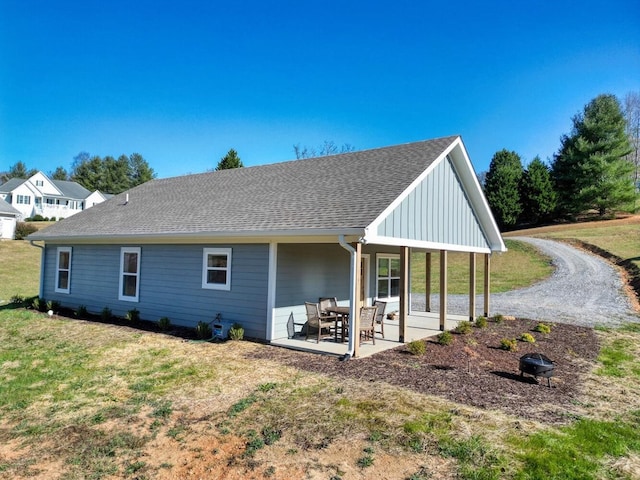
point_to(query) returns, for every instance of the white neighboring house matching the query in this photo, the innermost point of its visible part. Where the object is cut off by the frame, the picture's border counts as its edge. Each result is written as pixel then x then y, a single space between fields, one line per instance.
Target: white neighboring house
pixel 8 220
pixel 40 195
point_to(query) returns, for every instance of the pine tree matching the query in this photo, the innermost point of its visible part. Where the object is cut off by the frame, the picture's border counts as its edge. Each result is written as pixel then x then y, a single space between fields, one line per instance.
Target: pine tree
pixel 537 193
pixel 230 160
pixel 502 187
pixel 590 169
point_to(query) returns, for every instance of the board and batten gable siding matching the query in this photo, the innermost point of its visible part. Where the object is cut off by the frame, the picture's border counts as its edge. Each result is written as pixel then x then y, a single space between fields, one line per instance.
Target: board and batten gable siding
pixel 170 284
pixel 437 211
pixel 304 273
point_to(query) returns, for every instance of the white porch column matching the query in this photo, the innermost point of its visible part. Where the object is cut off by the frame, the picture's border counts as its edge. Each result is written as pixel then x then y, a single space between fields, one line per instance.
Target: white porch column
pixel 404 292
pixel 355 312
pixel 472 286
pixel 487 278
pixel 427 282
pixel 443 288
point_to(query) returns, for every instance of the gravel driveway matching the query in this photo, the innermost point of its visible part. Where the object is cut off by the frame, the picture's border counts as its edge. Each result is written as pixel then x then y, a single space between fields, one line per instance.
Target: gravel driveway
pixel 584 290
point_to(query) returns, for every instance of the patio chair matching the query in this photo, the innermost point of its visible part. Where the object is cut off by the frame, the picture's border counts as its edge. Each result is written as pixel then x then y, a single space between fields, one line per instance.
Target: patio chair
pixel 380 316
pixel 318 321
pixel 367 323
pixel 325 303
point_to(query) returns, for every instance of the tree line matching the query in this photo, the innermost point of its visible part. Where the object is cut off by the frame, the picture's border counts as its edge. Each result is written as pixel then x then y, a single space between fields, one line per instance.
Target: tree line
pixel 596 169
pixel 108 174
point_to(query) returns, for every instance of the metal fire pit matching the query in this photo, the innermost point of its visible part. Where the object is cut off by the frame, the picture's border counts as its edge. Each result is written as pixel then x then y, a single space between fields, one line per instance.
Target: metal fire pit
pixel 538 365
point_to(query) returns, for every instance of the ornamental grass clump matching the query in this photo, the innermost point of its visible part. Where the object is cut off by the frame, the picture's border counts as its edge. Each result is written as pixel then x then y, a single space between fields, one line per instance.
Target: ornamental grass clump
pixel 203 330
pixel 509 344
pixel 417 347
pixel 542 328
pixel 527 337
pixel 482 322
pixel 236 332
pixel 445 338
pixel 464 327
pixel 164 324
pixel 133 315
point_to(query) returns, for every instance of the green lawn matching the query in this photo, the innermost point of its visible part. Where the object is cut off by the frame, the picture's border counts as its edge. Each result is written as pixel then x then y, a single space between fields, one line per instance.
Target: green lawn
pixel 20 272
pixel 85 400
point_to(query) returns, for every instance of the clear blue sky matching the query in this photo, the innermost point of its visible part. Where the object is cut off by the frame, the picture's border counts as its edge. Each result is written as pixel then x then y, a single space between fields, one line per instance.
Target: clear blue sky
pixel 182 82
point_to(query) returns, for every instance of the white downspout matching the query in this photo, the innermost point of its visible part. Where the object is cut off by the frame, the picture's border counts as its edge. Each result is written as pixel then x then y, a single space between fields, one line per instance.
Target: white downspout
pixel 352 296
pixel 41 290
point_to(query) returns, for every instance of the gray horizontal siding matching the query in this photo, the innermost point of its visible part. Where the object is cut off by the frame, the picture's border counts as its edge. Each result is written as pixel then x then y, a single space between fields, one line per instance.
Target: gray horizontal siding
pixel 438 210
pixel 305 273
pixel 170 284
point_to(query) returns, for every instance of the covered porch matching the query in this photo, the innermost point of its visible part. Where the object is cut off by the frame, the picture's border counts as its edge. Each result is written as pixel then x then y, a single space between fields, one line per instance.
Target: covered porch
pixel 419 325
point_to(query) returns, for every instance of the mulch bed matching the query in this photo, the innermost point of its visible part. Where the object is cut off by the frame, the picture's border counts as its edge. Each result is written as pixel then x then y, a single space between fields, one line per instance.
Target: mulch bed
pixel 473 370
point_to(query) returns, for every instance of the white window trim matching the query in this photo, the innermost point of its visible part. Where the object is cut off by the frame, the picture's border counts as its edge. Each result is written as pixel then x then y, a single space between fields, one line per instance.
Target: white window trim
pixel 57 288
pixel 385 256
pixel 126 298
pixel 216 251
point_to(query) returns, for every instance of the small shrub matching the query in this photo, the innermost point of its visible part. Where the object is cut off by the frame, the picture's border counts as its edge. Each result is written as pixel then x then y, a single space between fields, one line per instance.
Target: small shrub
pixel 18 300
pixel 482 322
pixel 82 311
pixel 417 347
pixel 106 314
pixel 527 337
pixel 164 324
pixel 53 305
pixel 463 327
pixel 37 218
pixel 133 315
pixel 203 330
pixel 39 304
pixel 499 318
pixel 23 229
pixel 509 344
pixel 445 338
pixel 236 332
pixel 542 328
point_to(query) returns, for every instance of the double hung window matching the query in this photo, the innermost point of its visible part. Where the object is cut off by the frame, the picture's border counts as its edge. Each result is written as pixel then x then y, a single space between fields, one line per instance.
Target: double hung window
pixel 388 272
pixel 216 268
pixel 129 274
pixel 63 270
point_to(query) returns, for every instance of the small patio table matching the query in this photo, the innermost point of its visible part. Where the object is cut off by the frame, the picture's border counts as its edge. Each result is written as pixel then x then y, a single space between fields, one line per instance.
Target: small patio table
pixel 343 315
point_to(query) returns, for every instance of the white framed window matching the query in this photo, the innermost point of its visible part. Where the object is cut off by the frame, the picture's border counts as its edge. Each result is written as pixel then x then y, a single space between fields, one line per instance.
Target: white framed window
pixel 63 270
pixel 24 199
pixel 129 274
pixel 39 183
pixel 388 276
pixel 216 268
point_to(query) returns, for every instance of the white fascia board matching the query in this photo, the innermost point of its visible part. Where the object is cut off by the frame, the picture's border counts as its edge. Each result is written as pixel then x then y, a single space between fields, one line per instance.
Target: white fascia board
pixel 402 242
pixel 479 202
pixel 352 235
pixel 472 187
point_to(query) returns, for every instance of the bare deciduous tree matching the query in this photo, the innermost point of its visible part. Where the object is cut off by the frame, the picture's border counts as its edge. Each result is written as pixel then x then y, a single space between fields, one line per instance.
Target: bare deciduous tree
pixel 631 110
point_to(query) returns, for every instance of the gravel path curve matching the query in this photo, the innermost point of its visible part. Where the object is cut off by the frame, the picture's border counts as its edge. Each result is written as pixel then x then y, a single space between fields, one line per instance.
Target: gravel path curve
pixel 584 290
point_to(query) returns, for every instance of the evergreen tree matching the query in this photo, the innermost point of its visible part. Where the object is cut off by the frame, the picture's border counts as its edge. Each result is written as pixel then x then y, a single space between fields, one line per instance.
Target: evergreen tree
pixel 537 194
pixel 19 170
pixel 89 172
pixel 59 174
pixel 590 170
pixel 502 187
pixel 139 170
pixel 230 160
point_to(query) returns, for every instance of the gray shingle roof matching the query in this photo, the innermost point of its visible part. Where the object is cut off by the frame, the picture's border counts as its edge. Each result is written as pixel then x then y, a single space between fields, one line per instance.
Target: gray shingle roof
pixel 346 191
pixel 11 184
pixel 71 190
pixel 8 209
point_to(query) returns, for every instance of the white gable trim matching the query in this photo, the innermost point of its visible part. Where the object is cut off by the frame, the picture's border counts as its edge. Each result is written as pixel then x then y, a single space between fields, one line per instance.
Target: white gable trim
pixel 467 177
pixel 373 227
